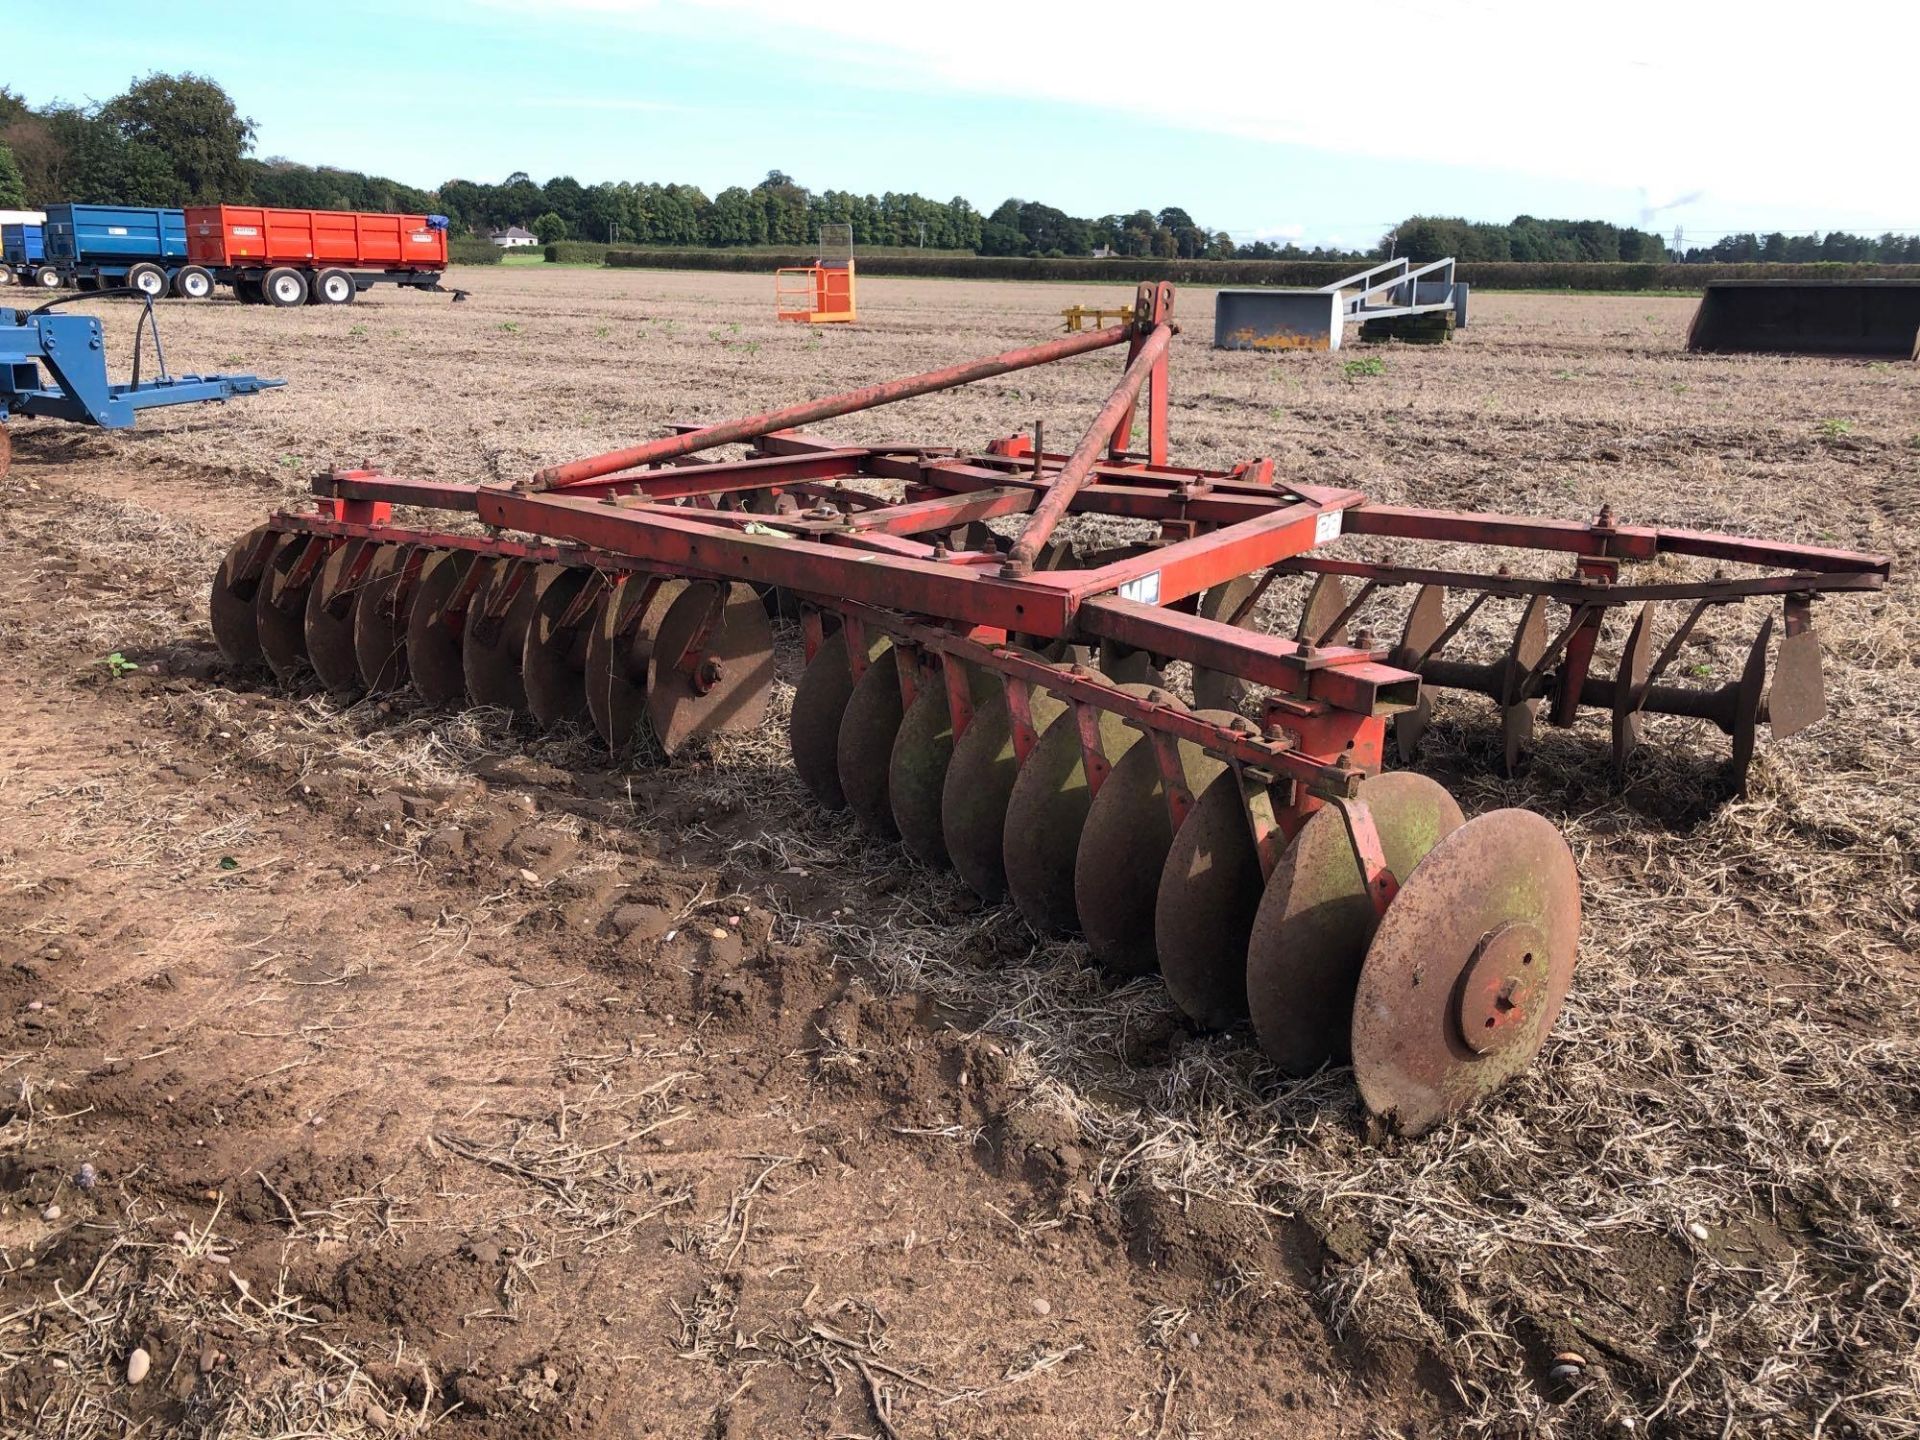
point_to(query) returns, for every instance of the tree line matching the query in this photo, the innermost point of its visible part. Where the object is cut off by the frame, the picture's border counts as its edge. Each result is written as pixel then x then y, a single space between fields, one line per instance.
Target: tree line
pixel 180 140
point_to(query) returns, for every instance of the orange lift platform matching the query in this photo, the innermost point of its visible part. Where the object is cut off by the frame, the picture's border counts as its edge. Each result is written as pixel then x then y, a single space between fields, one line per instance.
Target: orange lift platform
pixel 820 293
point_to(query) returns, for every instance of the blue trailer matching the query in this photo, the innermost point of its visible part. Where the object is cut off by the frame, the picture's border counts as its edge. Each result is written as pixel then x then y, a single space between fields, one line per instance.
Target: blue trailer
pixel 96 247
pixel 75 385
pixel 22 249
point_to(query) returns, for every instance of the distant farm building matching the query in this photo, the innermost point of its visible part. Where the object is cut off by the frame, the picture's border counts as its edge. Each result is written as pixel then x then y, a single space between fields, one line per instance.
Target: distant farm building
pixel 513 237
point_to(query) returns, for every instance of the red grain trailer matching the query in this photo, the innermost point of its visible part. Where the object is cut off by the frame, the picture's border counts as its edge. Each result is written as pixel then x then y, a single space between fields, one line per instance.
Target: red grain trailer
pixel 320 257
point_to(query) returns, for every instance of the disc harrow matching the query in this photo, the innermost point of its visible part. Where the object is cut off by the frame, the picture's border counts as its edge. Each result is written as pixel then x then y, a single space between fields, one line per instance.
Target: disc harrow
pixel 1006 702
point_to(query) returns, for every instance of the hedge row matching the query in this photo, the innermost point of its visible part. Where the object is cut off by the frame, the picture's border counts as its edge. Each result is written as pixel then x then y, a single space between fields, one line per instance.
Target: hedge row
pixel 576 252
pixel 472 250
pixel 1494 275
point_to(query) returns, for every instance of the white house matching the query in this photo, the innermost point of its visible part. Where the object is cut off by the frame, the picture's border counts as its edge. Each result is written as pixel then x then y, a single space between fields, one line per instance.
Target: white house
pixel 513 237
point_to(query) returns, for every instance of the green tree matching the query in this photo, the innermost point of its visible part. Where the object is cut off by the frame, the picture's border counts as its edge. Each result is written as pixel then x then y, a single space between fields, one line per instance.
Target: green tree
pixel 13 189
pixel 549 228
pixel 192 125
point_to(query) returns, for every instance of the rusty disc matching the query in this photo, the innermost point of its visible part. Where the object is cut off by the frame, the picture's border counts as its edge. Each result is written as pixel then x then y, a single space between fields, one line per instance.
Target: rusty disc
pixel 1319 617
pixel 434 632
pixel 491 647
pixel 1635 660
pixel 819 700
pixel 1426 621
pixel 553 660
pixel 1517 710
pixel 1468 969
pixel 1204 908
pixel 864 747
pixel 724 684
pixel 1123 849
pixel 1047 811
pixel 280 609
pixel 379 625
pixel 1219 689
pixel 620 635
pixel 979 784
pixel 917 770
pixel 1316 918
pixel 1746 705
pixel 236 628
pixel 331 601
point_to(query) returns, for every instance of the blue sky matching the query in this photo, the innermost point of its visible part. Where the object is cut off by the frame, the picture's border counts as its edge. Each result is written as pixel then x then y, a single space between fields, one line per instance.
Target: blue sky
pixel 1659 114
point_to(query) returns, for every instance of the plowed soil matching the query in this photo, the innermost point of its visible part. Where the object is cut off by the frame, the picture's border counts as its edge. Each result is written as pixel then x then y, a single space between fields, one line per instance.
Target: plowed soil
pixel 431 1075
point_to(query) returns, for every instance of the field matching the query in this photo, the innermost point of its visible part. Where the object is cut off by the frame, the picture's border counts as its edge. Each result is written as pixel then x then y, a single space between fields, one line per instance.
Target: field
pixel 434 1077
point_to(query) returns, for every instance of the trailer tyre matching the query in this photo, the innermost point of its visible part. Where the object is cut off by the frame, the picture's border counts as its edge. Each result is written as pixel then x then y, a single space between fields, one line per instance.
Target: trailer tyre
pixel 192 282
pixel 47 278
pixel 149 280
pixel 285 287
pixel 333 287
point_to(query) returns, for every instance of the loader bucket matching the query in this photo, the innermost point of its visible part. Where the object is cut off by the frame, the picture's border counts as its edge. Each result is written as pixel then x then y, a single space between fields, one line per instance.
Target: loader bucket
pixel 1277 320
pixel 1878 319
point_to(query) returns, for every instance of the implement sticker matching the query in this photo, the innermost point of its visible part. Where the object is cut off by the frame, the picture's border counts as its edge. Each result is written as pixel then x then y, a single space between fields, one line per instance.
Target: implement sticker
pixel 1145 590
pixel 1326 526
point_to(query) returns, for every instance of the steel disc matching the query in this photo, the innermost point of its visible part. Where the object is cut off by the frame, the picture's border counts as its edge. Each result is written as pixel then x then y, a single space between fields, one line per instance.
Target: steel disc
pixel 917 770
pixel 1797 694
pixel 1426 622
pixel 1320 616
pixel 1047 812
pixel 864 746
pixel 620 635
pixel 494 639
pixel 813 728
pixel 1517 714
pixel 236 628
pixel 731 672
pixel 280 609
pixel 331 601
pixel 435 632
pixel 1123 849
pixel 379 625
pixel 1746 705
pixel 1467 970
pixel 980 779
pixel 553 660
pixel 1635 660
pixel 1311 934
pixel 1204 908
pixel 1217 689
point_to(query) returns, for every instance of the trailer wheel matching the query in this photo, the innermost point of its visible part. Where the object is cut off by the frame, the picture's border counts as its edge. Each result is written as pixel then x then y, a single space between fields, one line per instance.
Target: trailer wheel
pixel 285 287
pixel 191 282
pixel 47 278
pixel 149 280
pixel 333 287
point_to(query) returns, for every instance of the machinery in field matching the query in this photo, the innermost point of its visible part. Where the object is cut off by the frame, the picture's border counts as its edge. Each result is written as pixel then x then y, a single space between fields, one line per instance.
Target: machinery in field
pixel 315 257
pixel 54 366
pixel 821 293
pixel 1868 319
pixel 1394 300
pixel 23 250
pixel 1005 703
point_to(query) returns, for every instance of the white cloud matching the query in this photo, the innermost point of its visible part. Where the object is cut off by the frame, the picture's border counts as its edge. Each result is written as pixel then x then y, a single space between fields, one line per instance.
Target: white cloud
pixel 1755 105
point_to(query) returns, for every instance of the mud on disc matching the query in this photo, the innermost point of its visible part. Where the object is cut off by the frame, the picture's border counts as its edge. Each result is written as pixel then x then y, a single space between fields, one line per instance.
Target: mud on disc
pixel 1204 908
pixel 434 636
pixel 1467 970
pixel 280 610
pixel 1316 919
pixel 1047 813
pixel 491 646
pixel 917 770
pixel 864 747
pixel 980 777
pixel 813 727
pixel 733 669
pixel 553 661
pixel 331 601
pixel 626 621
pixel 236 629
pixel 379 627
pixel 1123 849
